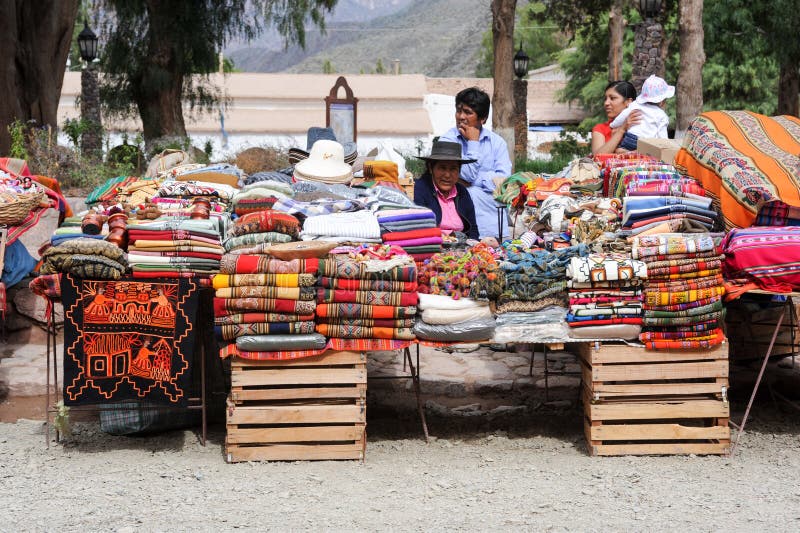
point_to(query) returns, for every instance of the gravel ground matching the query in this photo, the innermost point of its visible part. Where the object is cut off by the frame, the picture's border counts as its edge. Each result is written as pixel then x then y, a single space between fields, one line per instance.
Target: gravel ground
pixel 536 476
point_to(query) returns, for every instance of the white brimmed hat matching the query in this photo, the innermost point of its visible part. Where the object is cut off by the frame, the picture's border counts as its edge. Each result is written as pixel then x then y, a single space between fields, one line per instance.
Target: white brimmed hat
pixel 655 90
pixel 325 164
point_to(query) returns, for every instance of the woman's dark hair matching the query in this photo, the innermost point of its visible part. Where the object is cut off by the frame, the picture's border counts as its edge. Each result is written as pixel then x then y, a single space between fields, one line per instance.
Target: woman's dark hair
pixel 624 88
pixel 476 99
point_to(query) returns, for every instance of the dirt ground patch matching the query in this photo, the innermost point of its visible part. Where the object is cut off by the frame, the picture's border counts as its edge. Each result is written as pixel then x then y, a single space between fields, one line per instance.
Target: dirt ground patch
pixel 530 472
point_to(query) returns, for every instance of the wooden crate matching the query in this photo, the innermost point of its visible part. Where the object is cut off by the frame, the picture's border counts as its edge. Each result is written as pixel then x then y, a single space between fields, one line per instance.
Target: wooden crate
pixel 304 409
pixel 649 402
pixel 624 371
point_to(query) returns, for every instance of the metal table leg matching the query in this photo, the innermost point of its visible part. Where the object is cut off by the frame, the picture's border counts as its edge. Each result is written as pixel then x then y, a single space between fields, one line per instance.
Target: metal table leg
pixel 415 380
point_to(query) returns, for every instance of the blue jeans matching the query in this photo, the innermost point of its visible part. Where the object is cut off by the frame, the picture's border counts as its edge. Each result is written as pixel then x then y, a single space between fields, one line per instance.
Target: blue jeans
pixel 629 141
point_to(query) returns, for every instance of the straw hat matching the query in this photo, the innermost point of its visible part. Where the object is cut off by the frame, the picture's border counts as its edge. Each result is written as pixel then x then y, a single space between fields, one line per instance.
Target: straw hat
pixel 315 134
pixel 325 164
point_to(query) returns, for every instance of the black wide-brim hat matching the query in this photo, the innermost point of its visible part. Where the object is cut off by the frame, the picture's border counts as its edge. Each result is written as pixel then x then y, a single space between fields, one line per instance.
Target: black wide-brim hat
pixel 446 151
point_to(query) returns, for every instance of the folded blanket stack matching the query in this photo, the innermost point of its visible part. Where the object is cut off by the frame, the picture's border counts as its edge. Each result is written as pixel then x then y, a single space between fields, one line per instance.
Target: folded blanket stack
pixel 766 256
pixel 85 258
pixel 254 232
pixel 665 202
pixel 414 229
pixel 613 166
pixel 366 299
pixel 605 296
pixel 445 319
pixel 535 278
pixel 683 294
pixel 265 304
pixel 174 248
pixel 259 195
pixel 472 273
pixel 355 227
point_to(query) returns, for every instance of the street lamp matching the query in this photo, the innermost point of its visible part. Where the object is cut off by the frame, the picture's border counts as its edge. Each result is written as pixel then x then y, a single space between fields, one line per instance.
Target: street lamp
pixel 91 136
pixel 649 9
pixel 520 105
pixel 521 63
pixel 647 39
pixel 87 43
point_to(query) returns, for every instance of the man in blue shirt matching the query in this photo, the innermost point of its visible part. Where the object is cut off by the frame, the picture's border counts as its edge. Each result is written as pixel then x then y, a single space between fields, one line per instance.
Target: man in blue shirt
pixel 492 163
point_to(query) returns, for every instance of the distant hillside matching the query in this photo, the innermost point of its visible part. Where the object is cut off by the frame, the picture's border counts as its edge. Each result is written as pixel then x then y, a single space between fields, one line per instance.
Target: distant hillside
pixel 432 37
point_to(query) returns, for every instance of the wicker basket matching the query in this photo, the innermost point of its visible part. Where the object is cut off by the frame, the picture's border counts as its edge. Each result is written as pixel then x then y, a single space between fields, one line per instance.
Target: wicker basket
pixel 14 213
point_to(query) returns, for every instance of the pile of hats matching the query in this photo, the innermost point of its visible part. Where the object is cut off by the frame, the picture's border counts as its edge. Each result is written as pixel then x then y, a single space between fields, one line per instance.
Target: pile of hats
pixel 605 296
pixel 324 160
pixel 360 296
pixel 265 304
pixel 535 278
pixel 683 294
pixel 255 232
pixel 414 229
pixel 174 247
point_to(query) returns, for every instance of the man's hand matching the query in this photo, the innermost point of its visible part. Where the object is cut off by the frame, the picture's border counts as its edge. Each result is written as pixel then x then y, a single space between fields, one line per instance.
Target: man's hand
pixel 470 133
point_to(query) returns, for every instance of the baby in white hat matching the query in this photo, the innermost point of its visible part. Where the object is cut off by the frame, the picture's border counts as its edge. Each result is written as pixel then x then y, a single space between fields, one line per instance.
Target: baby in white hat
pixel 650 104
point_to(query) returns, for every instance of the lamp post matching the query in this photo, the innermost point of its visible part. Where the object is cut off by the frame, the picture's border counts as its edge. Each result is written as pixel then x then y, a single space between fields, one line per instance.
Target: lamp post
pixel 521 104
pixel 91 137
pixel 647 43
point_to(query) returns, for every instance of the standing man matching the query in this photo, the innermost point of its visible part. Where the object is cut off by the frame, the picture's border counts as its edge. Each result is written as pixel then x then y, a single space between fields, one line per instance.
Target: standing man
pixel 490 152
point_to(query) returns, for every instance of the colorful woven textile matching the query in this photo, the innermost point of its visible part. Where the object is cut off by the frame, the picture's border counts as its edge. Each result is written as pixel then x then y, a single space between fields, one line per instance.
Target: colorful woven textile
pixel 658 297
pixel 266 221
pixel 605 267
pixel 340 266
pixel 274 280
pixel 685 320
pixel 245 206
pixel 369 322
pixel 128 340
pixel 604 321
pixel 744 160
pixel 768 256
pixel 237 305
pixel 675 335
pixel 672 243
pixel 230 332
pixel 367 285
pixel 266 291
pixel 48 286
pixel 412 234
pixel 685 344
pixel 354 310
pixel 254 318
pixel 255 239
pixel 361 332
pixel 367 297
pixel 259 264
pixel 778 214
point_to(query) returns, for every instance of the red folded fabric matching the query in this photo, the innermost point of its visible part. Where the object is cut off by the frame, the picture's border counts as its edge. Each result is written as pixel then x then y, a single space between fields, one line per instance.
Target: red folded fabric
pixel 411 234
pixel 605 322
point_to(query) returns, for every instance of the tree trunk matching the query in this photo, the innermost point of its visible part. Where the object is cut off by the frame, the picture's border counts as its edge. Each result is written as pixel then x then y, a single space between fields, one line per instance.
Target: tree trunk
pixel 789 90
pixel 689 89
pixel 35 40
pixel 159 94
pixel 503 71
pixel 616 32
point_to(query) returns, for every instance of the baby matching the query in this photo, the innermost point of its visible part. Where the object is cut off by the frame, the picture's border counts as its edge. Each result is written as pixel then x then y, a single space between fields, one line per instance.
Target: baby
pixel 650 104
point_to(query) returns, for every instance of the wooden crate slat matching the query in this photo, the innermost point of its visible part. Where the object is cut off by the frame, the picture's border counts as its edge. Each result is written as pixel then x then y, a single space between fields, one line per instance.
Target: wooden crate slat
pixel 296 414
pixel 242 395
pixel 601 390
pixel 624 353
pixel 656 409
pixel 248 435
pixel 299 376
pixel 677 448
pixel 638 432
pixel 329 358
pixel 662 371
pixel 295 452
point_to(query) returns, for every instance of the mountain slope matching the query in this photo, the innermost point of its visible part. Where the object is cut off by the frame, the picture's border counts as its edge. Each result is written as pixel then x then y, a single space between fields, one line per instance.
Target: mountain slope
pixel 432 37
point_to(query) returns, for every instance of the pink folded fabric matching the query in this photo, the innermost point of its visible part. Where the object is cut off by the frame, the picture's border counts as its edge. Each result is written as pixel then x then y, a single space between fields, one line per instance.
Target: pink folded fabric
pixel 418 242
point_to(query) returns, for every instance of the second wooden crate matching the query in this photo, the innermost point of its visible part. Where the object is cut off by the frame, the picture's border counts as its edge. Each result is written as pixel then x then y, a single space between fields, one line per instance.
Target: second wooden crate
pixel 303 409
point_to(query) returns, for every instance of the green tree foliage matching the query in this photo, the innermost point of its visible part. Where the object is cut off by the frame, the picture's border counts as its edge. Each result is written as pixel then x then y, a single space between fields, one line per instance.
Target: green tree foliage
pixel 541 40
pixel 737 76
pixel 379 68
pixel 327 67
pixel 153 49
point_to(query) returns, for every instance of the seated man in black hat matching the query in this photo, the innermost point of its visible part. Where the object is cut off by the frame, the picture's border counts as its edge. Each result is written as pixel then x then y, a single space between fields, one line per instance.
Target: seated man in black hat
pixel 438 190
